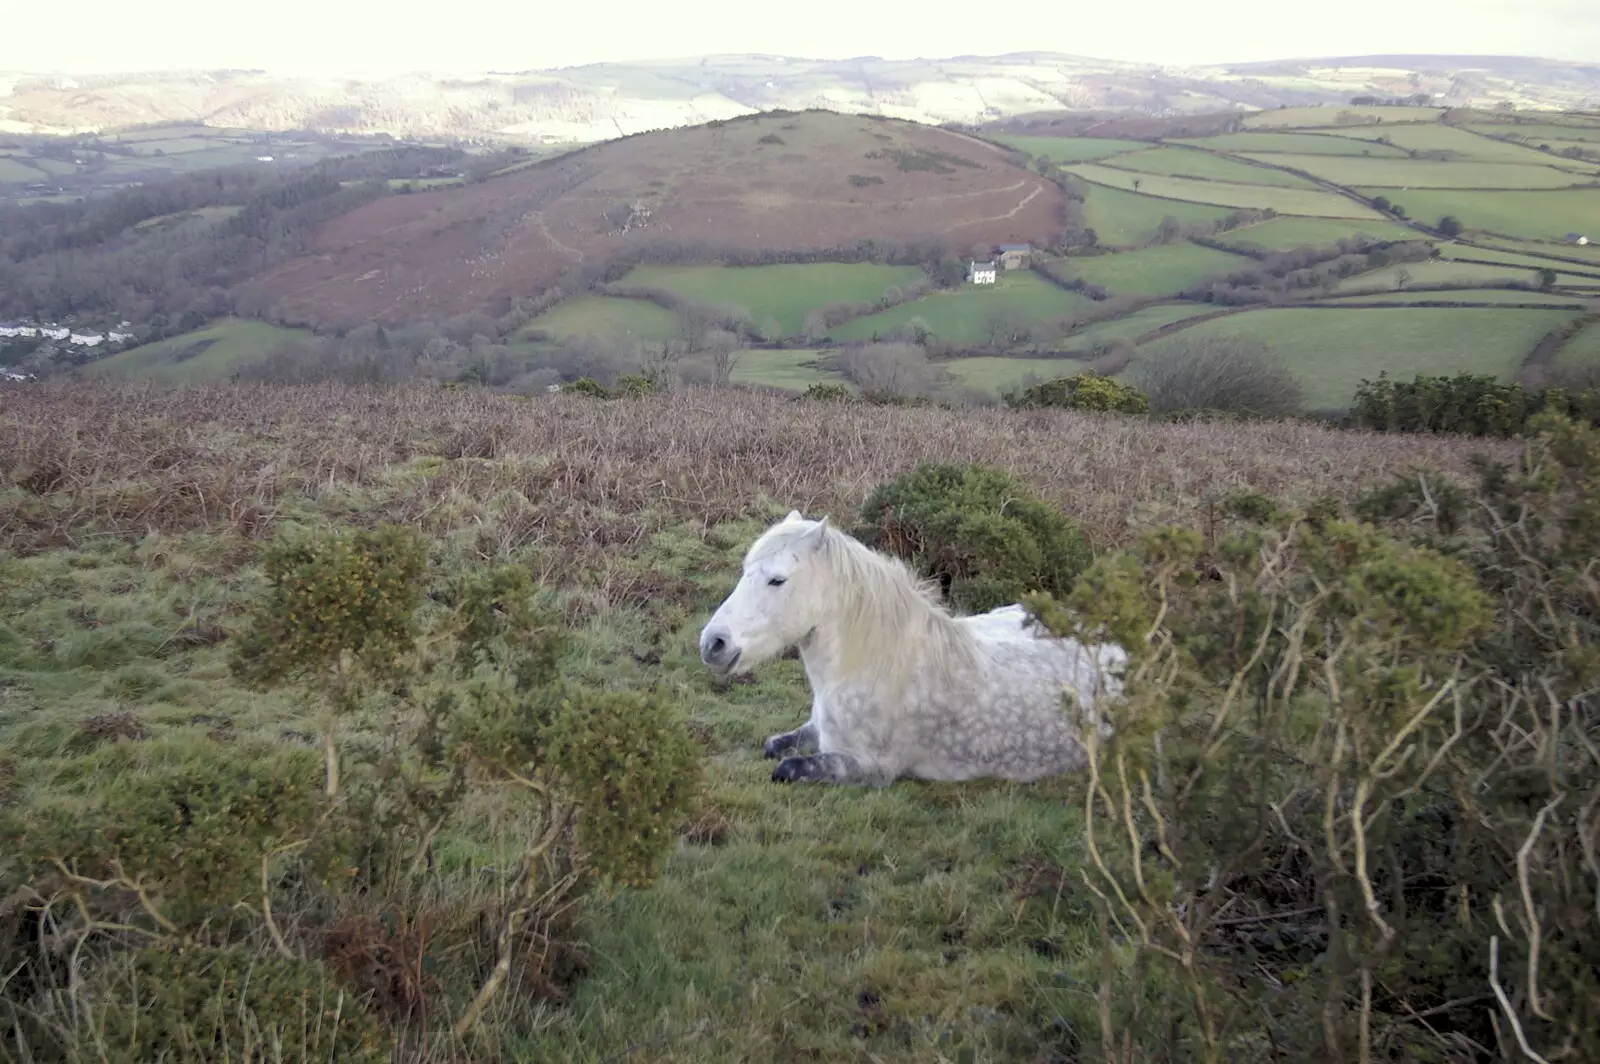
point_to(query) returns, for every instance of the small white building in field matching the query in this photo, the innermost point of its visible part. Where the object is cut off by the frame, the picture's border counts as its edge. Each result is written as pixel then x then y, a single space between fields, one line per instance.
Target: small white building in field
pixel 983 272
pixel 1577 238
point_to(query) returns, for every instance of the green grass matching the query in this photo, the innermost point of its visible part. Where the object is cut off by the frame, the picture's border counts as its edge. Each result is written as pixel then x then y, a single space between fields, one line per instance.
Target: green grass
pixel 1566 272
pixel 1293 143
pixel 1582 349
pixel 1465 295
pixel 1553 247
pixel 1308 201
pixel 213 214
pixel 1331 350
pixel 1542 133
pixel 1283 234
pixel 1132 326
pixel 999 374
pixel 1465 144
pixel 1533 215
pixel 1328 116
pixel 792 370
pixel 1120 218
pixel 1425 173
pixel 1434 273
pixel 1069 149
pixel 1157 270
pixel 949 905
pixel 212 353
pixel 637 320
pixel 15 172
pixel 1186 162
pixel 785 292
pixel 963 314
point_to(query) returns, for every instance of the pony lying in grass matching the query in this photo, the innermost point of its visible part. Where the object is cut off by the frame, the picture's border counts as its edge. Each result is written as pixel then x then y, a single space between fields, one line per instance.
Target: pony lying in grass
pixel 900 687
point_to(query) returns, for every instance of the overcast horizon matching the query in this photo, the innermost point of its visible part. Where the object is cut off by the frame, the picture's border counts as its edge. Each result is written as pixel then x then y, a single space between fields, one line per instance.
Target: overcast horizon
pixel 304 37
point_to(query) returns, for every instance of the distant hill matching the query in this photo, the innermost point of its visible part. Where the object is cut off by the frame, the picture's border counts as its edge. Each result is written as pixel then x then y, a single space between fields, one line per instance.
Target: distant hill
pixel 760 188
pixel 601 101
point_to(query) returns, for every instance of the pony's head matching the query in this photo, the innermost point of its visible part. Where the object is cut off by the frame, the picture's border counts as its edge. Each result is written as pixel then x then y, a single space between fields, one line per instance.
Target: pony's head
pixel 779 599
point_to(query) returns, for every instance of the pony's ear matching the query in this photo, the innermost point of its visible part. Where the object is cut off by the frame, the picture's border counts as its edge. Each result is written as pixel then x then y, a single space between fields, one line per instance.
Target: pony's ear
pixel 815 534
pixel 794 515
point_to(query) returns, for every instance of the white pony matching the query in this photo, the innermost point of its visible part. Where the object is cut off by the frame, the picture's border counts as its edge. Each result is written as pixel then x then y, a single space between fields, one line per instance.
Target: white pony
pixel 900 687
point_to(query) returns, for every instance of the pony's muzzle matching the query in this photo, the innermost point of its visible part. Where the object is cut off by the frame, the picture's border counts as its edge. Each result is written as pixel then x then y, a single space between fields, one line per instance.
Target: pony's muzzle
pixel 717 652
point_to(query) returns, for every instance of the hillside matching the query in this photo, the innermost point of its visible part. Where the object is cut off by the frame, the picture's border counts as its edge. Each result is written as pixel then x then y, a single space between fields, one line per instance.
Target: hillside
pixel 600 101
pixel 838 923
pixel 764 185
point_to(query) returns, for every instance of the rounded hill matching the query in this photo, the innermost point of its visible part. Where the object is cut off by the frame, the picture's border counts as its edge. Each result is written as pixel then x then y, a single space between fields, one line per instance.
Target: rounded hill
pixel 761 188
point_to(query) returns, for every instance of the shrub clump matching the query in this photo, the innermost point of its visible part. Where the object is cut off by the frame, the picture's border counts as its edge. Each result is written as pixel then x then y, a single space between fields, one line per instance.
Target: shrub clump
pixel 1083 391
pixel 1223 374
pixel 1470 404
pixel 985 537
pixel 201 1005
pixel 1352 795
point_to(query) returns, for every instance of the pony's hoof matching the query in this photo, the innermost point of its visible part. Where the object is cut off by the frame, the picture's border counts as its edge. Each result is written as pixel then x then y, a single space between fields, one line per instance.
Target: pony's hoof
pixel 774 747
pixel 789 770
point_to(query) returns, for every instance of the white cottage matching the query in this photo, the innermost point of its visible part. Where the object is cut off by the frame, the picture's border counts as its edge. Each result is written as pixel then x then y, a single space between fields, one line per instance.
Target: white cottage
pixel 983 272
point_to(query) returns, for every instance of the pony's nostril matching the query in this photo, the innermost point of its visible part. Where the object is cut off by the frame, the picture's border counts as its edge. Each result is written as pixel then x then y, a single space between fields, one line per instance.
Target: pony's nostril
pixel 718 645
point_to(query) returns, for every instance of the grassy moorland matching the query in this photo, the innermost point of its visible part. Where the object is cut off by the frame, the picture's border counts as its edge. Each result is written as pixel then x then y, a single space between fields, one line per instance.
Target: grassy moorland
pixel 788 923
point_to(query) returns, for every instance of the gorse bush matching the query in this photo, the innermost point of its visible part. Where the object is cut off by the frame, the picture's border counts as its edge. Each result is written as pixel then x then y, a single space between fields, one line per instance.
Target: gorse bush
pixel 229 870
pixel 1083 391
pixel 1352 805
pixel 1467 403
pixel 983 535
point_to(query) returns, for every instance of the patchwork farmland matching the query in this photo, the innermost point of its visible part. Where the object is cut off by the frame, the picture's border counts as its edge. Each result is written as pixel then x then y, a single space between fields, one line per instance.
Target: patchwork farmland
pixel 1346 240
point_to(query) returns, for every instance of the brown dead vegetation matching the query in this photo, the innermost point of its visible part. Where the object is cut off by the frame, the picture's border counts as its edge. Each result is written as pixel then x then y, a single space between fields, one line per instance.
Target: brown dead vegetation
pixel 578 476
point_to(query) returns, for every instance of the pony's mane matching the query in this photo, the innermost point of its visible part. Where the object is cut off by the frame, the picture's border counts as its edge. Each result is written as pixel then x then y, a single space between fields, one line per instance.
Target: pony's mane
pixel 893 621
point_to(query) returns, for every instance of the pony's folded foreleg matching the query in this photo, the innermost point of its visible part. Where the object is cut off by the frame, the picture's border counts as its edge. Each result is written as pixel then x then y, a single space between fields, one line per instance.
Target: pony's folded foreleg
pixel 787 742
pixel 832 768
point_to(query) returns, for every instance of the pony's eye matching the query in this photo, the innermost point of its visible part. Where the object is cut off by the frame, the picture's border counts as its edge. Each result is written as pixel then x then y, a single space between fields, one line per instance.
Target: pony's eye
pixel 776 581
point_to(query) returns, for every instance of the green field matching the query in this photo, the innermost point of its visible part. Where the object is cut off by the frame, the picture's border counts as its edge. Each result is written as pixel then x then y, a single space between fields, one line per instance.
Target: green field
pixel 1541 133
pixel 1547 215
pixel 1554 248
pixel 1292 143
pixel 1331 350
pixel 965 314
pixel 1156 270
pixel 608 317
pixel 1188 162
pixel 1424 173
pixel 1121 218
pixel 1132 326
pixel 785 292
pixel 791 370
pixel 1282 234
pixel 14 171
pixel 1420 273
pixel 212 353
pixel 1328 116
pixel 1466 295
pixel 1566 272
pixel 1583 349
pixel 1465 144
pixel 1309 201
pixel 1069 149
pixel 997 375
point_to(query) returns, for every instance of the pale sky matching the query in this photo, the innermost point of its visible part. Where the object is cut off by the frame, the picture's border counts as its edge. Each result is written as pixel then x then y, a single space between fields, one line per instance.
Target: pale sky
pixel 350 36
